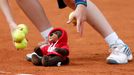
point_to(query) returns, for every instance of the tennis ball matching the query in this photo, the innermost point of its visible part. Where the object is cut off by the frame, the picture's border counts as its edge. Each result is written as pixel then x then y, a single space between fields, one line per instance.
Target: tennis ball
pixel 74 19
pixel 23 28
pixel 18 35
pixel 21 45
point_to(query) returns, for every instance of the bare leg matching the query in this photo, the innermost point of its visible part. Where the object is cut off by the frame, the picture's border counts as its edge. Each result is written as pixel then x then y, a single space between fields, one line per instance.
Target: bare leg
pixel 97 20
pixel 35 12
pixel 7 12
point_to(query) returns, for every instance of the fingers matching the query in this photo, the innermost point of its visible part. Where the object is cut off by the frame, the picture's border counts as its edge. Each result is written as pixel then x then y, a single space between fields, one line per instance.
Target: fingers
pixel 80 27
pixel 77 21
pixel 78 24
pixel 70 20
pixel 71 17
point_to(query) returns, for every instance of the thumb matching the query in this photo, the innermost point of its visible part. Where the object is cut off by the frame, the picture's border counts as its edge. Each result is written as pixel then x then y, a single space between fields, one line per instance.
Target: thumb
pixel 71 17
pixel 70 20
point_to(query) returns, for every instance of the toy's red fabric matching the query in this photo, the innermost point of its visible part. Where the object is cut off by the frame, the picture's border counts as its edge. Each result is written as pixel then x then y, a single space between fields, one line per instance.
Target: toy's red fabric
pixel 61 43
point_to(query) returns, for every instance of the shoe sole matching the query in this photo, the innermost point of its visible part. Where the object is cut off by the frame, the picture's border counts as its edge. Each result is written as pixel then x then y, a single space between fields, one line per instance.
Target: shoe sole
pixel 111 61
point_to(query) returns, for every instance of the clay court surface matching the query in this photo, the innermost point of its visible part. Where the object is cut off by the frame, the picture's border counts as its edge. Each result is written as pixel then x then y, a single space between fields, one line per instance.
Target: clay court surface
pixel 88 54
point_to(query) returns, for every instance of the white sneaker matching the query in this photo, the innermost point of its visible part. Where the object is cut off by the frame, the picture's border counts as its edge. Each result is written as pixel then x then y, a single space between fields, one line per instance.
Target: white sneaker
pixel 29 56
pixel 120 54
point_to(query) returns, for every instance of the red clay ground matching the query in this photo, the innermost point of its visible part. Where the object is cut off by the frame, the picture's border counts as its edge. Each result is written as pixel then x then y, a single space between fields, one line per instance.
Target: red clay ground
pixel 88 53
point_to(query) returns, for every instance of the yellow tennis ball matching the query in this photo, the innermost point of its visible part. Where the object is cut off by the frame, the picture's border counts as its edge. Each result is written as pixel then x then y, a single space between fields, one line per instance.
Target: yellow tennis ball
pixel 23 28
pixel 74 19
pixel 18 35
pixel 21 45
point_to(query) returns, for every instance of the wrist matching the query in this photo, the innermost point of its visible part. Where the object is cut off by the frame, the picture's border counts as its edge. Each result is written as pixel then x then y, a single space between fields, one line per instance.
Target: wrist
pixel 81 7
pixel 82 2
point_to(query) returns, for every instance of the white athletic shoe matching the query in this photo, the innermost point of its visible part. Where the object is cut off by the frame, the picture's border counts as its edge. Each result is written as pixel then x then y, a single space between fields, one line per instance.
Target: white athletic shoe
pixel 120 54
pixel 29 56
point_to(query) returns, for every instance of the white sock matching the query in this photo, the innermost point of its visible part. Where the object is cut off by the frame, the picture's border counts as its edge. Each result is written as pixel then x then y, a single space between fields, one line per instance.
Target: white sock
pixel 113 38
pixel 46 32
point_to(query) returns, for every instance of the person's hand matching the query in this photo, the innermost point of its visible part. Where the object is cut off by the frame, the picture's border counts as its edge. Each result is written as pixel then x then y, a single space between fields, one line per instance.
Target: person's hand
pixel 80 15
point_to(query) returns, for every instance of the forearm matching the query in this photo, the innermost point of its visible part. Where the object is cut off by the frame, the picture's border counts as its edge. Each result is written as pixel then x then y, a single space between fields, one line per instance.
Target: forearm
pixel 6 11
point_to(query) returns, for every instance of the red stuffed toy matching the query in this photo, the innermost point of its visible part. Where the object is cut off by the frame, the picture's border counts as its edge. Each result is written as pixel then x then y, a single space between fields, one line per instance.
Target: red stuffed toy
pixel 55 53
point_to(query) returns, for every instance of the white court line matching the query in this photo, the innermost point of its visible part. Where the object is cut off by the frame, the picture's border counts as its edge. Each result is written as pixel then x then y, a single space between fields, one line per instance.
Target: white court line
pixel 3 72
pixel 24 74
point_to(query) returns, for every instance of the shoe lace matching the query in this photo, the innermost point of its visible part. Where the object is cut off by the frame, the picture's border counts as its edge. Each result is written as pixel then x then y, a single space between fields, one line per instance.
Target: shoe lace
pixel 116 48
